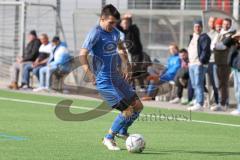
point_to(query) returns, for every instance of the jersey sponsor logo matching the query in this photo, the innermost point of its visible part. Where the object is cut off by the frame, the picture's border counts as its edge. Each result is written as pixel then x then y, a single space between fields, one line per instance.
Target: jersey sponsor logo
pixel 110 47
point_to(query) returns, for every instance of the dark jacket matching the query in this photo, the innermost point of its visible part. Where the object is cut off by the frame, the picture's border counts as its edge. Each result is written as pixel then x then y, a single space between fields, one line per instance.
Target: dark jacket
pixel 234 58
pixel 204 49
pixel 234 53
pixel 135 49
pixel 31 51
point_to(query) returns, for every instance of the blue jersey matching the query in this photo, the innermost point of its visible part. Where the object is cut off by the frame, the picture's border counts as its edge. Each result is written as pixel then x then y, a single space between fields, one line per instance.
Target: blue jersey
pixel 173 65
pixel 102 46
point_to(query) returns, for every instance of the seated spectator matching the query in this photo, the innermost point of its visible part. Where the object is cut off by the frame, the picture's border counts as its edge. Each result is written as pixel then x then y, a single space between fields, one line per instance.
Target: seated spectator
pixel 143 71
pixel 29 55
pixel 153 69
pixel 173 64
pixel 44 52
pixel 182 77
pixel 57 60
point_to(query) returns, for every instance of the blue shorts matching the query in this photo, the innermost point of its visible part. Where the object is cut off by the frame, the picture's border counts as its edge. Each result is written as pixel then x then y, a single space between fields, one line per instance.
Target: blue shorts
pixel 116 90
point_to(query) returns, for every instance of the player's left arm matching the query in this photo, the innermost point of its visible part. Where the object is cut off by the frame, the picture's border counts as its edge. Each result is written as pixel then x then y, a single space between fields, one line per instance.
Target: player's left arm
pixel 126 67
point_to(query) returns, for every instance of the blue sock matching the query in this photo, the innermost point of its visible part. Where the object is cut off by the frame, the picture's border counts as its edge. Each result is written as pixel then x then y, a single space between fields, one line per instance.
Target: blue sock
pixel 128 123
pixel 118 123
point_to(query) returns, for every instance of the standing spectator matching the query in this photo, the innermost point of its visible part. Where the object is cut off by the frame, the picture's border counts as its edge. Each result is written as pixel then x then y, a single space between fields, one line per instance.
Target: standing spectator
pixel 221 53
pixel 29 55
pixel 233 42
pixel 214 30
pixel 44 52
pixel 173 64
pixel 134 47
pixel 199 53
pixel 211 26
pixel 235 56
pixel 58 59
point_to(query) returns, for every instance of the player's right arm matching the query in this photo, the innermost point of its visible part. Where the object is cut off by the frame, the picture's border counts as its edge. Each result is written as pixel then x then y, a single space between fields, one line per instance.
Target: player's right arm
pixel 89 43
pixel 84 61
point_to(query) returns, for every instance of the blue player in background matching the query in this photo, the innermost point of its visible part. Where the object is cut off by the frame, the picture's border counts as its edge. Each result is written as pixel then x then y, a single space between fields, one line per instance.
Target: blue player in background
pixel 107 50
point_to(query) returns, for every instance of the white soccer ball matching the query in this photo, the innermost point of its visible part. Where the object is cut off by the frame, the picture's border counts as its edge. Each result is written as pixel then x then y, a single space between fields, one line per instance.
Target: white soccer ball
pixel 135 143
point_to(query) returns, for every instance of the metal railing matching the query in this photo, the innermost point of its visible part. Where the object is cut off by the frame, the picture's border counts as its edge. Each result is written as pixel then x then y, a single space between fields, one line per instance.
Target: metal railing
pixel 180 4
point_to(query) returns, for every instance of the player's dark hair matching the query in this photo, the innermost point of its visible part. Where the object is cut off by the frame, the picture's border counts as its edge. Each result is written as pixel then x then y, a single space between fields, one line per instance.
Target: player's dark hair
pixel 229 20
pixel 183 50
pixel 110 10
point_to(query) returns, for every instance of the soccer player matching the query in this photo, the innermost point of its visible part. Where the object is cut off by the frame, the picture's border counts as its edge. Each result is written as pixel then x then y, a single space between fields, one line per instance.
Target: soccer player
pixel 104 45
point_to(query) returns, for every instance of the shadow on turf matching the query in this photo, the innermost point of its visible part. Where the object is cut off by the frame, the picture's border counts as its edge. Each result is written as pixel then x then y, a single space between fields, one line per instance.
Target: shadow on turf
pixel 211 153
pixel 148 152
pixel 153 153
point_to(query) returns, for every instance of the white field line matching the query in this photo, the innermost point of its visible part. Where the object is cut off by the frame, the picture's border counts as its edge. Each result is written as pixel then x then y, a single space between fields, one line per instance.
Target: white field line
pixel 88 108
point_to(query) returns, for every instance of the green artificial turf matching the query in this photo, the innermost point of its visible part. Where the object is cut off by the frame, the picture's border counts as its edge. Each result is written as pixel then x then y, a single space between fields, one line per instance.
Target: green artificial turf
pixel 33 132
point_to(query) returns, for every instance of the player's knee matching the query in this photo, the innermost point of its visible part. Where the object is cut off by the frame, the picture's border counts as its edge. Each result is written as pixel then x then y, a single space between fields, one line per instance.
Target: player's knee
pixel 128 112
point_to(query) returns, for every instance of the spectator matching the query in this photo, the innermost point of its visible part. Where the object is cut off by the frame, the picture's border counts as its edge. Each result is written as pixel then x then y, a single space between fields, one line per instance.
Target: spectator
pixel 29 55
pixel 57 60
pixel 211 25
pixel 233 42
pixel 154 69
pixel 221 53
pixel 199 54
pixel 182 79
pixel 44 52
pixel 173 64
pixel 215 29
pixel 134 47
